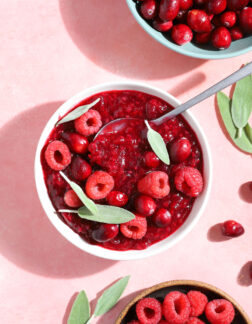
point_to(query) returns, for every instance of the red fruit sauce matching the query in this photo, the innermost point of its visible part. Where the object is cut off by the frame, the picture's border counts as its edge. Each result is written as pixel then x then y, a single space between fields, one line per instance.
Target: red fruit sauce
pixel 122 155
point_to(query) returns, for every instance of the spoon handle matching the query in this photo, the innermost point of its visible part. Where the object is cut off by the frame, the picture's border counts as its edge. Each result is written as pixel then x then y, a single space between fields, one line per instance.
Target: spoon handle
pixel 234 77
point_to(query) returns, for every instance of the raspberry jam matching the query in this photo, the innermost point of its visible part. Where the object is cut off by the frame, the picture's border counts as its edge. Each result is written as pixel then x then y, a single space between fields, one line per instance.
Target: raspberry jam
pixel 123 156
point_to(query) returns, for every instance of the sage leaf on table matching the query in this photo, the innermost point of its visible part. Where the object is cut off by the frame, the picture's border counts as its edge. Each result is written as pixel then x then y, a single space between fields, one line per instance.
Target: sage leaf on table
pixel 107 214
pixel 91 206
pixel 80 312
pixel 110 296
pixel 248 131
pixel 77 112
pixel 241 107
pixel 157 144
pixel 224 103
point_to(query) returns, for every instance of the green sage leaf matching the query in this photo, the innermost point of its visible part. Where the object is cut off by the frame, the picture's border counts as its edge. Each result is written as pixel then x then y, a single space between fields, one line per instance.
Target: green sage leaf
pixel 110 296
pixel 77 112
pixel 157 144
pixel 80 193
pixel 80 312
pixel 248 131
pixel 224 104
pixel 242 103
pixel 107 214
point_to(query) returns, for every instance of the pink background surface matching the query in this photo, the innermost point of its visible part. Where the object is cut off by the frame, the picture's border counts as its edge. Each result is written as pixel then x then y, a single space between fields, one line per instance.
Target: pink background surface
pixel 51 50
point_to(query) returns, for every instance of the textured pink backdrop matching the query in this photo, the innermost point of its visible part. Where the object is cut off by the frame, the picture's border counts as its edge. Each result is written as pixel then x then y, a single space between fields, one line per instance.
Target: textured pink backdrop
pixel 51 50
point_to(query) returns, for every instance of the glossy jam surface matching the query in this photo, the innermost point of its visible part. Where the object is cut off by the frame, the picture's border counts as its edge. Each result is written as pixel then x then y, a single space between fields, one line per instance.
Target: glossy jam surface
pixel 122 155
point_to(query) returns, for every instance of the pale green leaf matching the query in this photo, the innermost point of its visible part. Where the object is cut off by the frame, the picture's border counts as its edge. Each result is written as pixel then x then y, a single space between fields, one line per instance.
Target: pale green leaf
pixel 224 104
pixel 80 312
pixel 110 296
pixel 107 214
pixel 248 131
pixel 242 102
pixel 80 193
pixel 157 144
pixel 77 112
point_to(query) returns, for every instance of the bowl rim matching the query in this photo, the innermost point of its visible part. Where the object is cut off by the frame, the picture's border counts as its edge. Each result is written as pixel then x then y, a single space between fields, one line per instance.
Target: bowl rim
pixel 179 49
pixel 66 231
pixel 197 284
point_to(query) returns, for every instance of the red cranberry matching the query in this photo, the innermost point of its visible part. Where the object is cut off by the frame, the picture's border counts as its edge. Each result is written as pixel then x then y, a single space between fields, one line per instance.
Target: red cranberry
pixel 105 232
pixel 80 169
pixel 148 9
pixel 232 228
pixel 162 218
pixel 117 198
pixel 202 38
pixel 237 4
pixel 168 9
pixel 221 38
pixel 185 4
pixel 145 205
pixel 245 20
pixel 228 19
pixel 181 17
pixel 216 6
pixel 180 150
pixel 216 21
pixel 199 21
pixel 76 142
pixel 151 160
pixel 236 33
pixel 162 26
pixel 181 34
pixel 200 3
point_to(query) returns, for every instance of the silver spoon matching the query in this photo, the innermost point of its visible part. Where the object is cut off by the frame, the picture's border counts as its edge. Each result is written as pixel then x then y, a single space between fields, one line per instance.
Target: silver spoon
pixel 120 123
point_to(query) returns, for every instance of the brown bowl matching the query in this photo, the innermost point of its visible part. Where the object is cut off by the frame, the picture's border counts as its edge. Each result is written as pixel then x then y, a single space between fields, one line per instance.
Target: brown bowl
pixel 161 290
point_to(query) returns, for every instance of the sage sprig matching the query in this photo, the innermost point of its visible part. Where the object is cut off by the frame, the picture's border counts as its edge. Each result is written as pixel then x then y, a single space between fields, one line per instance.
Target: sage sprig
pixel 77 112
pixel 95 212
pixel 80 312
pixel 241 106
pixel 157 144
pixel 80 193
pixel 243 142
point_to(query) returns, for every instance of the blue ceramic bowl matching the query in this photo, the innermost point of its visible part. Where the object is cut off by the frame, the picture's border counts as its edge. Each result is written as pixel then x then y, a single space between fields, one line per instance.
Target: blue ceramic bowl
pixel 238 47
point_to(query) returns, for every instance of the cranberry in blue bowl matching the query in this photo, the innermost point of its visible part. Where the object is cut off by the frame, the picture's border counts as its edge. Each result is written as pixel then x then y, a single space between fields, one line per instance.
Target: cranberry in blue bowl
pixel 118 171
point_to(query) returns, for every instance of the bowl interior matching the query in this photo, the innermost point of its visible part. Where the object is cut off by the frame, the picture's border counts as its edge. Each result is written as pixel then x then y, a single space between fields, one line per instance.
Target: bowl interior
pixel 161 290
pixel 236 48
pixel 74 238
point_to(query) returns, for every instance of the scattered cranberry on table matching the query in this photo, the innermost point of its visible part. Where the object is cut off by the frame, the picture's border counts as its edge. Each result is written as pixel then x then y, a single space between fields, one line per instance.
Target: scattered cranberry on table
pixel 199 20
pixel 232 228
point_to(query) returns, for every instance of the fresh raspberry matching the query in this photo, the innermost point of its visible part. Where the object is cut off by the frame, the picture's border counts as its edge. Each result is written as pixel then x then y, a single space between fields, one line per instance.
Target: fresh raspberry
pixel 71 199
pixel 194 320
pixel 57 155
pixel 154 184
pixel 220 311
pixel 99 184
pixel 135 229
pixel 189 181
pixel 89 123
pixel 117 198
pixel 149 311
pixel 176 308
pixel 198 302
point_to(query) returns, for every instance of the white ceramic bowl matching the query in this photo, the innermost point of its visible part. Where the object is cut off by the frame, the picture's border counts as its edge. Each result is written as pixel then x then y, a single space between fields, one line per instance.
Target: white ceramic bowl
pixel 74 238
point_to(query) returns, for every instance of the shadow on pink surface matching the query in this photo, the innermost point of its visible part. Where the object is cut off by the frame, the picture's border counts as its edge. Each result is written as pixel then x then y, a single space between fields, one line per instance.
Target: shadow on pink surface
pixel 214 234
pixel 27 237
pixel 110 37
pixel 243 278
pixel 245 192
